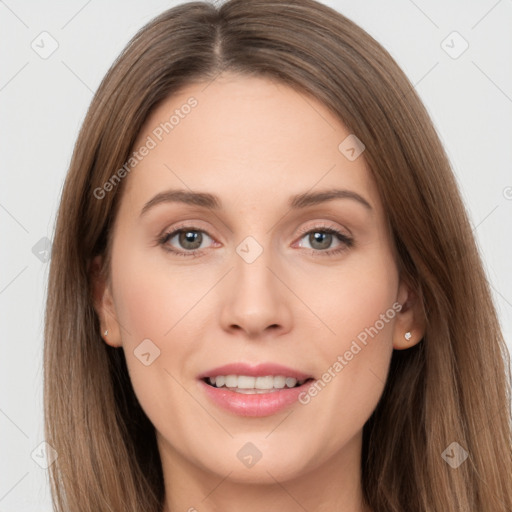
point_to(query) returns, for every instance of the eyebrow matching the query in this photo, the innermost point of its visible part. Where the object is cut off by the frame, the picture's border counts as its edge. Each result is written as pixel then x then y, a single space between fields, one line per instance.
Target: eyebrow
pixel 212 202
pixel 314 198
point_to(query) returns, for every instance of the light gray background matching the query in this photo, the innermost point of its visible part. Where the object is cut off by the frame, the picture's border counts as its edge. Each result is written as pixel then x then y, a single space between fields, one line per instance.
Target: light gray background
pixel 43 102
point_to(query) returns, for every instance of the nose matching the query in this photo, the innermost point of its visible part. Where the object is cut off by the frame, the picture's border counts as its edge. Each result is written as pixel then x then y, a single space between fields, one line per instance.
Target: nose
pixel 254 300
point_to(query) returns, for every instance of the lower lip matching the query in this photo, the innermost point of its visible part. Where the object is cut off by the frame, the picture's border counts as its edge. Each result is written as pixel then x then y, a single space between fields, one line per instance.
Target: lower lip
pixel 258 404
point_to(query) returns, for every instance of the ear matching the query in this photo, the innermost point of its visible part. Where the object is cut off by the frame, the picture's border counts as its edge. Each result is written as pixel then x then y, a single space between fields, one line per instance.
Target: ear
pixel 103 303
pixel 410 318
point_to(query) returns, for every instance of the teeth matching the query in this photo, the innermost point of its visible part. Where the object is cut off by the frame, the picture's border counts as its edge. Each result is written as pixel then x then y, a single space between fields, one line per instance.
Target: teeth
pixel 247 384
pixel 290 382
pixel 279 382
pixel 232 382
pixel 265 382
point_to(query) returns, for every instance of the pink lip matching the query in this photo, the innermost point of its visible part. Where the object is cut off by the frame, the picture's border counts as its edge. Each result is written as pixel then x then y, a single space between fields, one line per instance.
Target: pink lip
pixel 259 370
pixel 261 404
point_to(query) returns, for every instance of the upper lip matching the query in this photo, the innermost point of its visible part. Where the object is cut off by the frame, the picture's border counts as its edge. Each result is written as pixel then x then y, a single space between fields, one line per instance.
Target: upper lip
pixel 255 370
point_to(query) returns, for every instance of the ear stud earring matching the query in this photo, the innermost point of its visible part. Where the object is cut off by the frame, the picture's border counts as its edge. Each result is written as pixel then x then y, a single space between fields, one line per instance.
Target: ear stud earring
pixel 408 335
pixel 105 333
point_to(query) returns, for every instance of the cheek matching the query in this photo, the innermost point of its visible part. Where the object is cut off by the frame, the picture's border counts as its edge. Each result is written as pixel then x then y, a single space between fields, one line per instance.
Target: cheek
pixel 358 304
pixel 149 304
pixel 151 297
pixel 354 300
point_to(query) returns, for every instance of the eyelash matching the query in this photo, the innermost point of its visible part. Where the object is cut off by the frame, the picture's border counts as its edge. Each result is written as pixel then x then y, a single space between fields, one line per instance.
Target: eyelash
pixel 347 242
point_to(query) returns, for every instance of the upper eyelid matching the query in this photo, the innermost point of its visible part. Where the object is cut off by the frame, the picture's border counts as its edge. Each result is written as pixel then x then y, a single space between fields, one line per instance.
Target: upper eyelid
pixel 191 227
pixel 324 225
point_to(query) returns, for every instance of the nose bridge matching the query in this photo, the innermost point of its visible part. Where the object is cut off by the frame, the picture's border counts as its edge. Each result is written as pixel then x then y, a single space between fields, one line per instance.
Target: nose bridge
pixel 255 299
pixel 252 275
pixel 254 284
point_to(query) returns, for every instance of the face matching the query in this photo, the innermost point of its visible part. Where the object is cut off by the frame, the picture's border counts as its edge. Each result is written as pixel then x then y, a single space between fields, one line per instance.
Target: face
pixel 246 236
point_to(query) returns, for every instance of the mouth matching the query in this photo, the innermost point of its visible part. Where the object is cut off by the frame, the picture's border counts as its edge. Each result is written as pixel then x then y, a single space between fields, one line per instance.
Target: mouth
pixel 256 390
pixel 251 385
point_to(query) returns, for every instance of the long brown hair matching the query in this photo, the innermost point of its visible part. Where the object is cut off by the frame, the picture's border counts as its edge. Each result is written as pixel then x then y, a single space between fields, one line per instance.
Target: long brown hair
pixel 454 386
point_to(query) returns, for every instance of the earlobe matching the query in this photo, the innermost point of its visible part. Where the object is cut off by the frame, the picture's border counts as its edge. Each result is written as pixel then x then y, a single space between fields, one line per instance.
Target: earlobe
pixel 409 327
pixel 103 303
pixel 409 340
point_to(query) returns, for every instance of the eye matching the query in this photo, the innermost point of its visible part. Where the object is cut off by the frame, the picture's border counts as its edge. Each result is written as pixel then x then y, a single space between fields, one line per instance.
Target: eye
pixel 190 241
pixel 321 239
pixel 185 241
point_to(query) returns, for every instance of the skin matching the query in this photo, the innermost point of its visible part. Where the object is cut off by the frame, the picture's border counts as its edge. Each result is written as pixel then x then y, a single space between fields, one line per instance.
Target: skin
pixel 254 142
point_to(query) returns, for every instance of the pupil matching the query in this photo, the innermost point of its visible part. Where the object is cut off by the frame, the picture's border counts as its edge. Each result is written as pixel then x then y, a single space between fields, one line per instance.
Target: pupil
pixel 323 238
pixel 189 238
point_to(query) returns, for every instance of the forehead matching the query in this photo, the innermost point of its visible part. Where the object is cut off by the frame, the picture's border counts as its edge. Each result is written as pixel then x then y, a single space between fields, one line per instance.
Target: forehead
pixel 245 139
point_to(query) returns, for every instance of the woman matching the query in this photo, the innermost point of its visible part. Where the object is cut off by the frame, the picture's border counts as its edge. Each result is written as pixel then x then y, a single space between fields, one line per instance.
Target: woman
pixel 264 290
